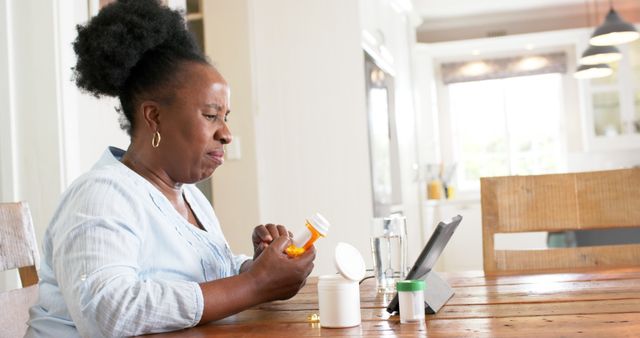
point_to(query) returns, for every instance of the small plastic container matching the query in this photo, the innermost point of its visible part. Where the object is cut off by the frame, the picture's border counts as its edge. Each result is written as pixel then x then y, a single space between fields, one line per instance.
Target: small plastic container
pixel 411 297
pixel 339 295
pixel 315 227
pixel 435 190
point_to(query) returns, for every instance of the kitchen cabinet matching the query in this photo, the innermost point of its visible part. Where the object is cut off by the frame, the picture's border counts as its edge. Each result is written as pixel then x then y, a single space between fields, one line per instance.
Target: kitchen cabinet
pixel 385 25
pixel 195 20
pixel 613 104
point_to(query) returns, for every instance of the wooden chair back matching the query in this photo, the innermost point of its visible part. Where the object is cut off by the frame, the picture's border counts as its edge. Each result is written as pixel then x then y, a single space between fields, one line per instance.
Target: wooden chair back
pixel 560 202
pixel 18 250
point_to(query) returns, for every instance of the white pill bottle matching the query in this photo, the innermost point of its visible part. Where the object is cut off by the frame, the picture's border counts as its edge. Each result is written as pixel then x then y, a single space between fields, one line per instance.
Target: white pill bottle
pixel 339 294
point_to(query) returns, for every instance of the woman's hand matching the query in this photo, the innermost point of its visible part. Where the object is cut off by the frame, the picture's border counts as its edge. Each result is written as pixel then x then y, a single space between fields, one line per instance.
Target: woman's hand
pixel 278 276
pixel 263 235
pixel 273 275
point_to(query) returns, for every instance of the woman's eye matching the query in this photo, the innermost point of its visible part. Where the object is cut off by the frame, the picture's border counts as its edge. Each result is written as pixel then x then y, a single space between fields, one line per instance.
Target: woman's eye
pixel 216 117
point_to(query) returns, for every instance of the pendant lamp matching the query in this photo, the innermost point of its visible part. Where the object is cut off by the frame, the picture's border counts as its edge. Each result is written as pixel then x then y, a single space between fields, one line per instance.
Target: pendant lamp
pixel 592 71
pixel 600 54
pixel 614 31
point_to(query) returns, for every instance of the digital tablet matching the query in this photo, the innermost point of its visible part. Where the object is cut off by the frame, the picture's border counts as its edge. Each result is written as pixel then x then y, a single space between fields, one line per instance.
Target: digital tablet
pixel 438 289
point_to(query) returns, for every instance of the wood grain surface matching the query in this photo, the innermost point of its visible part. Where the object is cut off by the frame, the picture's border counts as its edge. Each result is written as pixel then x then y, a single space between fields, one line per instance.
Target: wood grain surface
pixel 589 303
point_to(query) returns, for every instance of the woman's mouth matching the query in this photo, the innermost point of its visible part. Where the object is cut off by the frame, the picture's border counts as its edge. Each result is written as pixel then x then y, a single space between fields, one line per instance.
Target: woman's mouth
pixel 217 156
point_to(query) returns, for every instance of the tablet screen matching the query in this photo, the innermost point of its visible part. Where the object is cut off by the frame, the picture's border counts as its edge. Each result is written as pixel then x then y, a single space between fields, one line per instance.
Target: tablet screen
pixel 430 253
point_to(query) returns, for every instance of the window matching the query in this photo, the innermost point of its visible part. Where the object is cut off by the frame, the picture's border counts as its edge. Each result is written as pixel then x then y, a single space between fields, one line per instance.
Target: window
pixel 508 126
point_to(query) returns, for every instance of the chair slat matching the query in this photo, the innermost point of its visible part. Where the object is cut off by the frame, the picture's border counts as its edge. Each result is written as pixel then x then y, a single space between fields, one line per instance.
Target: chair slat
pixel 560 202
pixel 15 310
pixel 609 198
pixel 18 249
pixel 18 246
pixel 609 256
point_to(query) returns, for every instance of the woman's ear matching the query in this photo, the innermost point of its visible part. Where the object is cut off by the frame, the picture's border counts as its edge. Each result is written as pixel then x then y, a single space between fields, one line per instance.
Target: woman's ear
pixel 151 114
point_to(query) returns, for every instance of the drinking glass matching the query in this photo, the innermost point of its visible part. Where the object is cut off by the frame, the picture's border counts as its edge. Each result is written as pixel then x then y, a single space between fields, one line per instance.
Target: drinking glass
pixel 389 251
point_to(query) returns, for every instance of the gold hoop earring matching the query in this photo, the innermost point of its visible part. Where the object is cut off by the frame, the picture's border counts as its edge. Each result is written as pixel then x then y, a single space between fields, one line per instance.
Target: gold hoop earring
pixel 155 141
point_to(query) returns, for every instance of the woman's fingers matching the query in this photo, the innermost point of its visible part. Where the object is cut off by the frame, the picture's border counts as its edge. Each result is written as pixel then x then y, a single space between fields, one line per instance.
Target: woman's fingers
pixel 269 232
pixel 261 234
pixel 282 230
pixel 264 235
pixel 277 230
pixel 307 259
pixel 280 244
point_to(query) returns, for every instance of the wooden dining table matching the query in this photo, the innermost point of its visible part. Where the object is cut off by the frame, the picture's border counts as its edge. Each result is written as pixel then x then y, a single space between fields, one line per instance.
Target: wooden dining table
pixel 586 303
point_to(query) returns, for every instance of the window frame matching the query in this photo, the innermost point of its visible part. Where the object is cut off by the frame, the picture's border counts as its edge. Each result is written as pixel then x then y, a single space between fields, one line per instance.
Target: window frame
pixel 451 149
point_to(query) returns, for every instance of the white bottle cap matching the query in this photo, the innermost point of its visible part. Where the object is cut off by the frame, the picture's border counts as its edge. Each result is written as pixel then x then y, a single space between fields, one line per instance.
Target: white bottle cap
pixel 320 223
pixel 349 262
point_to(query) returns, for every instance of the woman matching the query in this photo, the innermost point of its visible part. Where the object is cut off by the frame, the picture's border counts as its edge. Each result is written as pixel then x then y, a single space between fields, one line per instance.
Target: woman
pixel 133 247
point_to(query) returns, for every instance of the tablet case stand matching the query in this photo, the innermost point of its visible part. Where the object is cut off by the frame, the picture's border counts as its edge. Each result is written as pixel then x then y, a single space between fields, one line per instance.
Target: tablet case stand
pixel 436 294
pixel 437 291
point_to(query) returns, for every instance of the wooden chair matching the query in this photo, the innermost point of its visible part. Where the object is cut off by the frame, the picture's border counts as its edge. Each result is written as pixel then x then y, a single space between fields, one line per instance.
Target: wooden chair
pixel 560 202
pixel 18 249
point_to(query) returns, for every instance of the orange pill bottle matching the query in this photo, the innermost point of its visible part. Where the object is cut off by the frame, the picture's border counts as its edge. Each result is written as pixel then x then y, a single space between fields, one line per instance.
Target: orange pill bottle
pixel 315 227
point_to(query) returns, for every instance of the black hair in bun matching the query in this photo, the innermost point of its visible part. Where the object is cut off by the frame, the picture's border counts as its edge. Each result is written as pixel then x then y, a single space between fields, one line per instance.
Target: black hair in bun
pixel 132 47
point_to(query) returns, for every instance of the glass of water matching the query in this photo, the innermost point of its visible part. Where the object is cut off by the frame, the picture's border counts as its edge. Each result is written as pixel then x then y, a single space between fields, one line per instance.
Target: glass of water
pixel 389 251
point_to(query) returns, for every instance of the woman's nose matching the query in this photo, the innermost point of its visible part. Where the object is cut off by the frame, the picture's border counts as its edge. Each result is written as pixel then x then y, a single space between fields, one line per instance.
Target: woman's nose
pixel 223 134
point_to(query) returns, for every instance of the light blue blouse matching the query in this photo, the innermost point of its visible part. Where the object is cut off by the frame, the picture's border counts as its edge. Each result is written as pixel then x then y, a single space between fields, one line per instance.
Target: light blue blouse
pixel 118 259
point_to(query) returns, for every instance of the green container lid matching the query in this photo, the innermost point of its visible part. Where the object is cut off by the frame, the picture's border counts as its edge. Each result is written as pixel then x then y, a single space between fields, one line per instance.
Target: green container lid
pixel 410 285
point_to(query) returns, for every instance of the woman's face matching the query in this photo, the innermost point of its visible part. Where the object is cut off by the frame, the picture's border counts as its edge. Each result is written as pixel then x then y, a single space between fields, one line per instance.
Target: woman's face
pixel 193 125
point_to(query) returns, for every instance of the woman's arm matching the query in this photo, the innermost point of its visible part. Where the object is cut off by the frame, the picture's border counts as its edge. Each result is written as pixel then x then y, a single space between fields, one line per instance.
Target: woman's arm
pixel 246 266
pixel 96 267
pixel 272 276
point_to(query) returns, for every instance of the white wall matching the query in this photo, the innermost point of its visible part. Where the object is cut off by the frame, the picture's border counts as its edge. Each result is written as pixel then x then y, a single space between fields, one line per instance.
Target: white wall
pixel 394 29
pixel 407 123
pixel 36 104
pixel 51 127
pixel 311 126
pixel 7 118
pixel 9 279
pixel 51 133
pixel 31 112
pixel 235 194
pixel 89 124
